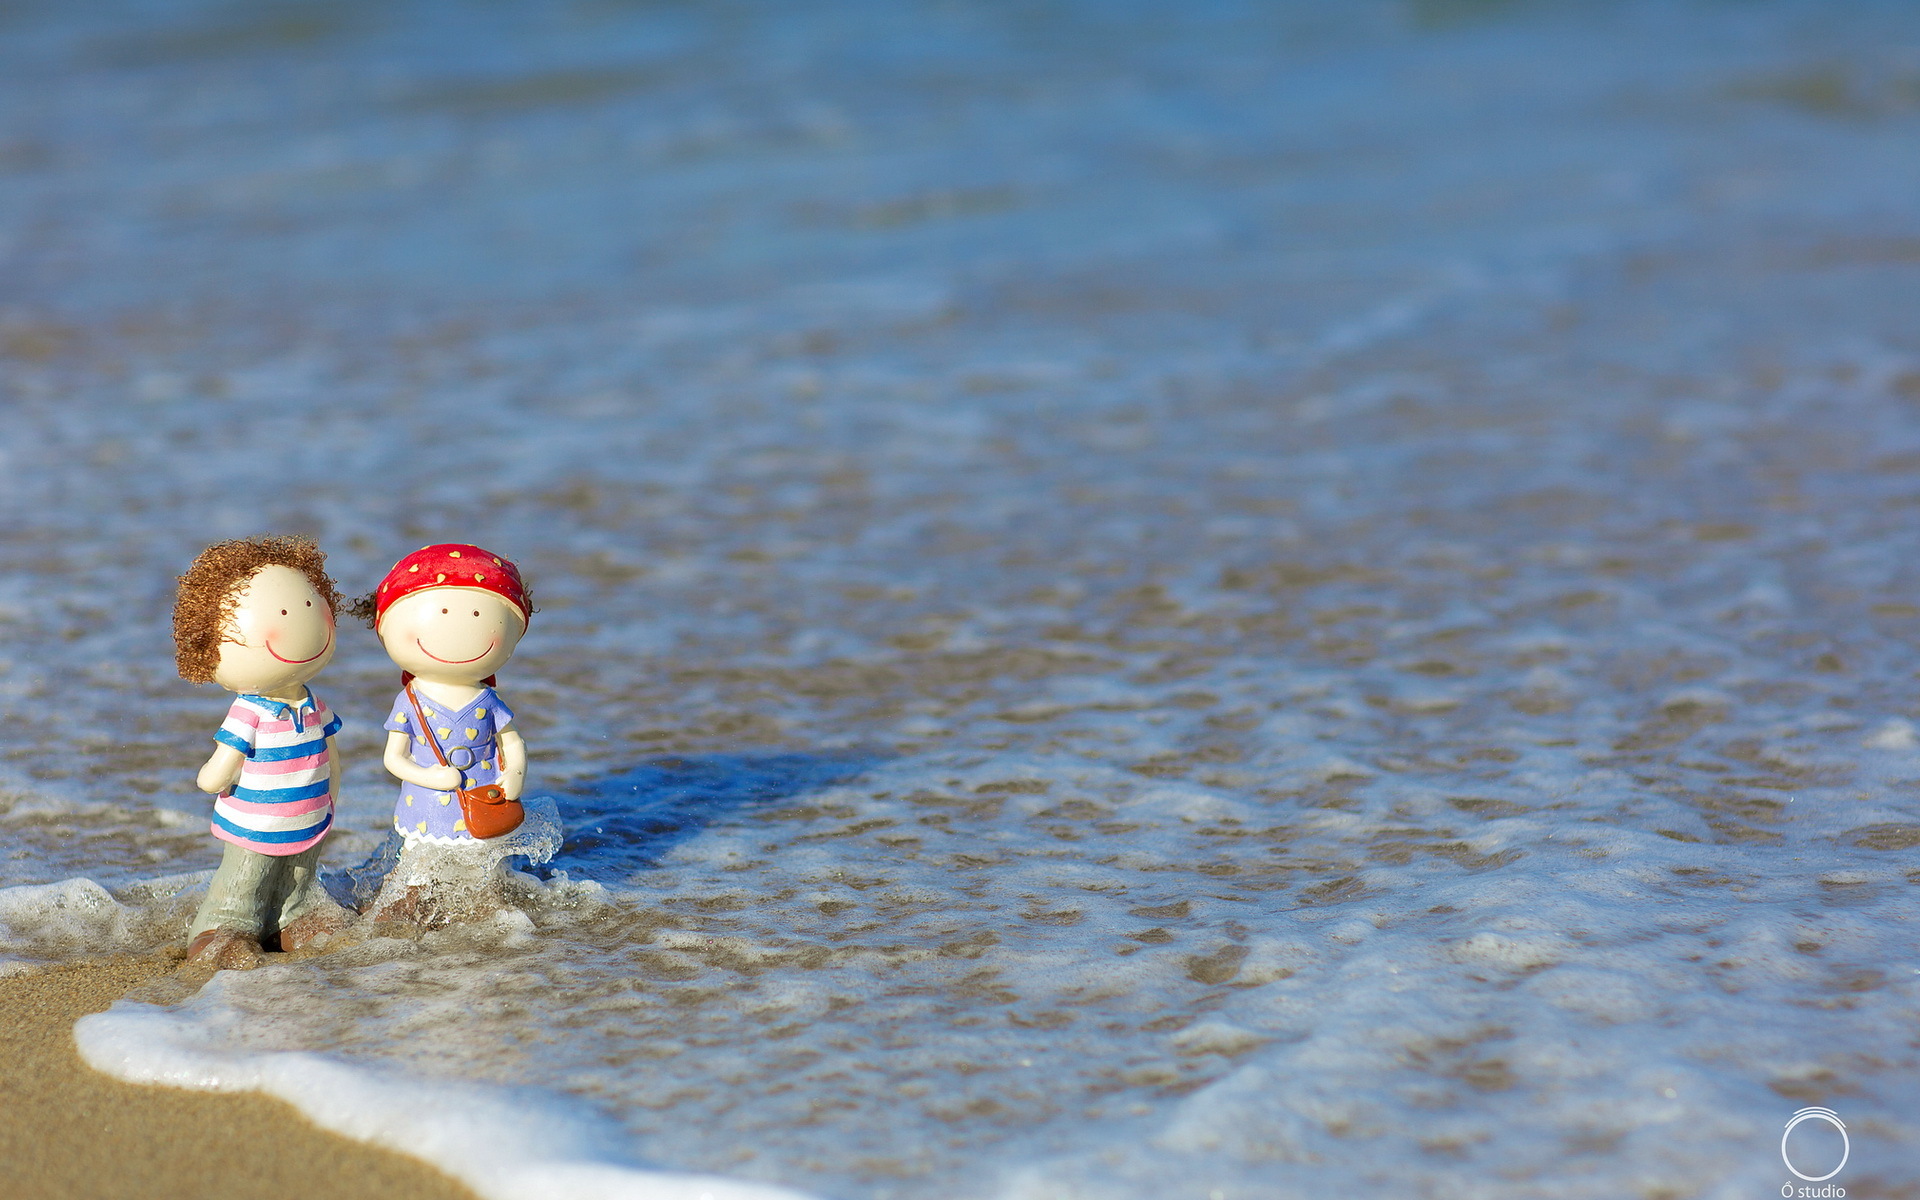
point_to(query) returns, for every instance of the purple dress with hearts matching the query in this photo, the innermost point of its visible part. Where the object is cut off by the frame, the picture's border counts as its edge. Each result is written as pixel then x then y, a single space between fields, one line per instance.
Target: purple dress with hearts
pixel 469 737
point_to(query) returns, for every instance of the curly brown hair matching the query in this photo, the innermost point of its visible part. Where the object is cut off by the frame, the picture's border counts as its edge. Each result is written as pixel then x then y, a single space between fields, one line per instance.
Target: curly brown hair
pixel 212 584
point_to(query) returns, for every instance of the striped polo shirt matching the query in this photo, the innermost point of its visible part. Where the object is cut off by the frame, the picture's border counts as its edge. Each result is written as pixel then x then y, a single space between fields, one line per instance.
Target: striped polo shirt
pixel 281 803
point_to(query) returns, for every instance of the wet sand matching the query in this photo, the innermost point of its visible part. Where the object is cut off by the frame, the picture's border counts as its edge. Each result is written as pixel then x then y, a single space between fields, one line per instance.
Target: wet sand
pixel 71 1132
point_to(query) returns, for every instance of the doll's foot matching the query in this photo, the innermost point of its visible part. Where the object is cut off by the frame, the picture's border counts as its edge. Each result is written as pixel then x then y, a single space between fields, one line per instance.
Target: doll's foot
pixel 408 914
pixel 225 950
pixel 316 929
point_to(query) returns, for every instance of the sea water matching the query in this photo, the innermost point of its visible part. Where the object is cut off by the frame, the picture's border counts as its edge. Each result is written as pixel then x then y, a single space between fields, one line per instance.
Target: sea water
pixel 1136 601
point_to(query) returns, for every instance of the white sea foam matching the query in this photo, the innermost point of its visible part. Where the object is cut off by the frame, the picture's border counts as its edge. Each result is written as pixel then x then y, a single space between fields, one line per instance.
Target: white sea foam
pixel 505 1146
pixel 77 917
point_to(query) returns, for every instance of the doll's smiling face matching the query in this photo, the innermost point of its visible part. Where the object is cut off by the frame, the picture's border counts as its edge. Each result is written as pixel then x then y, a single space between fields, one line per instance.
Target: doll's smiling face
pixel 451 634
pixel 278 635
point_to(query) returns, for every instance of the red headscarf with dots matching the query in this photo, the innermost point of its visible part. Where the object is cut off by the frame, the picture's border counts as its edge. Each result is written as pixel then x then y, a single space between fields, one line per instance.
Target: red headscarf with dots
pixel 451 564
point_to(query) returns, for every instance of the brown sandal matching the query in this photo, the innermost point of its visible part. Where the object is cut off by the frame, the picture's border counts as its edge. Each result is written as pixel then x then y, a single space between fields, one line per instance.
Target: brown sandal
pixel 225 950
pixel 315 929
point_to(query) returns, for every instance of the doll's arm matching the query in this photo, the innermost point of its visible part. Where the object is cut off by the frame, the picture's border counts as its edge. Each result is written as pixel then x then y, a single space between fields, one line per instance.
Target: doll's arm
pixel 334 767
pixel 401 766
pixel 513 762
pixel 221 771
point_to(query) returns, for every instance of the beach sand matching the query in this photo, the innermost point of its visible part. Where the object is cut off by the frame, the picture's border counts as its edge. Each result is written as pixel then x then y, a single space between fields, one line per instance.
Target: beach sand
pixel 71 1132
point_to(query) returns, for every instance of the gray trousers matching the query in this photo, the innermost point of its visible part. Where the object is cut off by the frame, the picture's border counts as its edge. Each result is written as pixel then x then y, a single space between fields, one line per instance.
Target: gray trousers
pixel 260 893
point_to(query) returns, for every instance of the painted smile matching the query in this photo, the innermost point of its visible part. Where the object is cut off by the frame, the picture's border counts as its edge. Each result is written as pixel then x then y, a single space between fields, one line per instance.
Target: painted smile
pixel 454 662
pixel 297 661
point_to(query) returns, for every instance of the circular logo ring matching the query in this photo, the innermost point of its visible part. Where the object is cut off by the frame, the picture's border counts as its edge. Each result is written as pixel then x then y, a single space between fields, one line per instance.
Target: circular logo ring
pixel 1816 1114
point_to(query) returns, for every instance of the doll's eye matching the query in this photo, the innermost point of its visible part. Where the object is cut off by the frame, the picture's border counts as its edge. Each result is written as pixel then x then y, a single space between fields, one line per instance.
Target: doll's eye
pixel 309 604
pixel 283 612
pixel 476 612
pixel 443 612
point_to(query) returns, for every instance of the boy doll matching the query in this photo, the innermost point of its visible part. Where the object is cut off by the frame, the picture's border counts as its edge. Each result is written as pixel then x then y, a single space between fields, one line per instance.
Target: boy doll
pixel 256 617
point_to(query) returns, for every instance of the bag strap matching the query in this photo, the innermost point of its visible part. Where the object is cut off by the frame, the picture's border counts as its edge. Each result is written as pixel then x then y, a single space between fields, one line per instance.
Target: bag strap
pixel 426 728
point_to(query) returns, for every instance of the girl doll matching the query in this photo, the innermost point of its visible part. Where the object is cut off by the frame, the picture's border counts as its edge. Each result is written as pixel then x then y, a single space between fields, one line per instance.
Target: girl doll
pixel 449 616
pixel 256 617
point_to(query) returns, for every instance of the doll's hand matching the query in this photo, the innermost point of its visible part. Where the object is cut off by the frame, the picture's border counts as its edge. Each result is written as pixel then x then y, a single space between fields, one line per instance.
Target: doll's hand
pixel 221 771
pixel 442 779
pixel 215 781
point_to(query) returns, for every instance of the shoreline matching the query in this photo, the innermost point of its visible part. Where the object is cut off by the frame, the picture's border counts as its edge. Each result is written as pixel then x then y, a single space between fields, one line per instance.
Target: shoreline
pixel 74 1132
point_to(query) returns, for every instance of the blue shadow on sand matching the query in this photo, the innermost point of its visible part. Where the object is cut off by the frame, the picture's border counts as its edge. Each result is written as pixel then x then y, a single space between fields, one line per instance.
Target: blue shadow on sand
pixel 625 822
pixel 629 820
